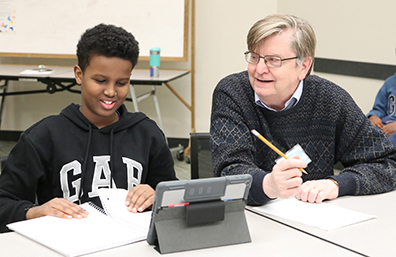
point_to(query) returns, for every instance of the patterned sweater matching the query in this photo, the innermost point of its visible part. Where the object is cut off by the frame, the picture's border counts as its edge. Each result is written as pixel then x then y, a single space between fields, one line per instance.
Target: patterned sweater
pixel 326 122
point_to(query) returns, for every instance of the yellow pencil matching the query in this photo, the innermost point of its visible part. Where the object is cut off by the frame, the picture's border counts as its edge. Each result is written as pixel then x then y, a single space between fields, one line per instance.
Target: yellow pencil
pixel 272 146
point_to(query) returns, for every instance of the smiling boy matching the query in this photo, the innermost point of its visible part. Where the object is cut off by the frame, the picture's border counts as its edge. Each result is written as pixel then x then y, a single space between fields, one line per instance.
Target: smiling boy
pixel 62 161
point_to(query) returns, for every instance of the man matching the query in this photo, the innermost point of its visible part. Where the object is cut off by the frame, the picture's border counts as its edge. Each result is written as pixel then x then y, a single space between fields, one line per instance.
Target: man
pixel 277 97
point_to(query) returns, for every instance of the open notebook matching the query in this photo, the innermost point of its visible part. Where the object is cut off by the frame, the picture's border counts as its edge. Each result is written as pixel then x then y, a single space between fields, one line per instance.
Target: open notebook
pixel 95 233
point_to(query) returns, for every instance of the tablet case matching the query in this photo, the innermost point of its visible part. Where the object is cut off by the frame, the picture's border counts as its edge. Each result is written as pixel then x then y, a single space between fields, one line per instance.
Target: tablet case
pixel 210 214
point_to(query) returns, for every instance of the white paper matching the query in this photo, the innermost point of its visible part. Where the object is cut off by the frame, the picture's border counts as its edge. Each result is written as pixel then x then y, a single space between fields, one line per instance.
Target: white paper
pixel 113 201
pixel 36 72
pixel 76 237
pixel 324 216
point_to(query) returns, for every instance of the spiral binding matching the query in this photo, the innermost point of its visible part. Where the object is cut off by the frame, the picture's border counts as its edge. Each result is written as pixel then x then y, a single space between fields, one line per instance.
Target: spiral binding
pixel 97 208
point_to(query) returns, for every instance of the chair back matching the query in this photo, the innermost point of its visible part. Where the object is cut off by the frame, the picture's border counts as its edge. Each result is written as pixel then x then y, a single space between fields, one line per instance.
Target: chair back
pixel 201 156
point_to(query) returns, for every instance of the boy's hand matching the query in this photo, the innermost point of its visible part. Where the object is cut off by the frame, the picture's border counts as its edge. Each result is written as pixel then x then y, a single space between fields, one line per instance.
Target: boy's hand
pixel 390 128
pixel 376 121
pixel 57 207
pixel 139 198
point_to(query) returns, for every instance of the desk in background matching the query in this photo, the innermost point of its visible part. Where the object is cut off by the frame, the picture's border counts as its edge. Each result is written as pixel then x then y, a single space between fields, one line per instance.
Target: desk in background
pixel 62 79
pixel 269 238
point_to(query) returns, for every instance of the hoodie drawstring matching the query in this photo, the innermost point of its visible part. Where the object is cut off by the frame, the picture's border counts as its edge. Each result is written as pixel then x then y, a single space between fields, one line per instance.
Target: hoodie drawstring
pixel 85 163
pixel 111 157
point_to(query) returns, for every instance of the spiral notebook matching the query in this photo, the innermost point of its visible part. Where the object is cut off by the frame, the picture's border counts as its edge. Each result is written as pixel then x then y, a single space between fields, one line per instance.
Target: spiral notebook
pixel 99 231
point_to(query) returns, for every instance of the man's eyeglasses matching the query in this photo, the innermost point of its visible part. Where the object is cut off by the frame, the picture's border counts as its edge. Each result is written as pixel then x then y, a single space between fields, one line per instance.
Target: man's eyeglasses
pixel 272 61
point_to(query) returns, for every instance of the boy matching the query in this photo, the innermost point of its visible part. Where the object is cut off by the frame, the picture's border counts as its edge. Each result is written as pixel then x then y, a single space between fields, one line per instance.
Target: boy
pixel 61 161
pixel 383 114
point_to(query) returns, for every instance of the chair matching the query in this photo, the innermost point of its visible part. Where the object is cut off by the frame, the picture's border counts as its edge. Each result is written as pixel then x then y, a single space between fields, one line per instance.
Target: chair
pixel 3 161
pixel 201 156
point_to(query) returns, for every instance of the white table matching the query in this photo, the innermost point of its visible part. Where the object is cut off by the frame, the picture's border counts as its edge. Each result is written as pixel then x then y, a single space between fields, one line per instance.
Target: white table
pixel 269 238
pixel 62 78
pixel 375 237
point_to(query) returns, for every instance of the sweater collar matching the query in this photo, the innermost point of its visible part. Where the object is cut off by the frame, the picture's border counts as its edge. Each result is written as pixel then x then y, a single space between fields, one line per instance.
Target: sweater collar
pixel 289 104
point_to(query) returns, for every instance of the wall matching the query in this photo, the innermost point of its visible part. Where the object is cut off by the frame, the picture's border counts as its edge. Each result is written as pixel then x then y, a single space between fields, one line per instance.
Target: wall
pixel 221 29
pixel 353 30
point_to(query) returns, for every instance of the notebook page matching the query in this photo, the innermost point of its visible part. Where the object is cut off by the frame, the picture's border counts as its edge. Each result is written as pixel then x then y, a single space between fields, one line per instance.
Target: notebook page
pixel 324 216
pixel 113 201
pixel 75 237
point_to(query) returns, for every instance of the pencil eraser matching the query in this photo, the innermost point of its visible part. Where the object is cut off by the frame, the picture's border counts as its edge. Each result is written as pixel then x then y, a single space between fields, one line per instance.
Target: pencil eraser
pixel 254 132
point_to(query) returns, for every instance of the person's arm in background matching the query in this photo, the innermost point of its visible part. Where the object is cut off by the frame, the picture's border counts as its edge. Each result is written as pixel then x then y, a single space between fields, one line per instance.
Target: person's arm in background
pixel 380 107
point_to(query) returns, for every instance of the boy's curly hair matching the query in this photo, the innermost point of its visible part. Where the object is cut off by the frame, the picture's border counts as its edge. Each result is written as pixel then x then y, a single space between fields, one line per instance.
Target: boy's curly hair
pixel 109 41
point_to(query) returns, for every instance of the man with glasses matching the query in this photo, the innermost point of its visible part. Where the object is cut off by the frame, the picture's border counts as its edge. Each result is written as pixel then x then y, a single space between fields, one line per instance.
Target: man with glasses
pixel 279 98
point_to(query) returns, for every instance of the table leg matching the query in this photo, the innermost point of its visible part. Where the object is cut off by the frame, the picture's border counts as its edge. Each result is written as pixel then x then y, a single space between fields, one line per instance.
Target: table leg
pixel 157 107
pixel 134 98
pixel 4 87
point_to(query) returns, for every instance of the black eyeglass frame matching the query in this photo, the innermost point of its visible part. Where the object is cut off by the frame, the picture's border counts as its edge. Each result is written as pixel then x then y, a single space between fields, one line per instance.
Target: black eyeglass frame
pixel 265 61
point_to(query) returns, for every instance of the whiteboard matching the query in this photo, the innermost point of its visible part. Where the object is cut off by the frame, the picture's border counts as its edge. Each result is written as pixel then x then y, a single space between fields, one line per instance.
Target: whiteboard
pixel 52 28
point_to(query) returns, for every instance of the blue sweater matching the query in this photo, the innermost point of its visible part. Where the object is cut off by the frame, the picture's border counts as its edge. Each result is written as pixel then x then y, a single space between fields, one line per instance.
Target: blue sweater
pixel 326 122
pixel 384 105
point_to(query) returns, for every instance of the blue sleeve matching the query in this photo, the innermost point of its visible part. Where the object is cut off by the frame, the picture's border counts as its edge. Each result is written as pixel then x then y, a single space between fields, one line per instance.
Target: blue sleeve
pixel 384 98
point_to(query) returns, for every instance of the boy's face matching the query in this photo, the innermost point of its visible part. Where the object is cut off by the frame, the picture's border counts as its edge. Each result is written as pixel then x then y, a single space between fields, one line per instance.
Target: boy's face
pixel 104 87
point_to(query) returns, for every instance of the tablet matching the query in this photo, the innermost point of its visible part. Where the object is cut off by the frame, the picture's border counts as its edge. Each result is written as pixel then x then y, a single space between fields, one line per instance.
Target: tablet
pixel 183 193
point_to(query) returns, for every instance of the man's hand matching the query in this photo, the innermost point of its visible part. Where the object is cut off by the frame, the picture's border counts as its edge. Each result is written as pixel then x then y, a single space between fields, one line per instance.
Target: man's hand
pixel 285 179
pixel 315 191
pixel 57 207
pixel 139 198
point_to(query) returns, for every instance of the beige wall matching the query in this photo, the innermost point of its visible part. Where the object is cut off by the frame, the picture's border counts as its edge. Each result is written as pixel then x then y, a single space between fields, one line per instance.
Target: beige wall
pixel 221 29
pixel 353 30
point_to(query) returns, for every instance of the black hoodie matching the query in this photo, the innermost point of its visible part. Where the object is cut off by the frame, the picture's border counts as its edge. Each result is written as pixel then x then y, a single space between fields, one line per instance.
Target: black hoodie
pixel 58 154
